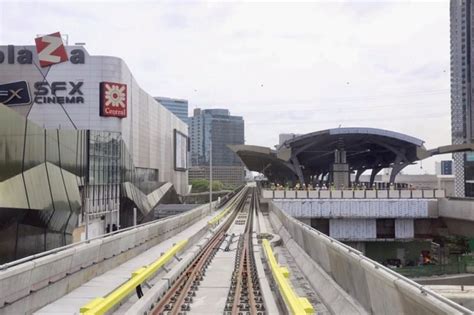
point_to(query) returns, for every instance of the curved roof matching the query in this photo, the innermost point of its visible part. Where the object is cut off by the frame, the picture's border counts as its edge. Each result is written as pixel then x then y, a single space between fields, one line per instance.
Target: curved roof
pixel 360 130
pixel 262 160
pixel 366 148
pixel 314 153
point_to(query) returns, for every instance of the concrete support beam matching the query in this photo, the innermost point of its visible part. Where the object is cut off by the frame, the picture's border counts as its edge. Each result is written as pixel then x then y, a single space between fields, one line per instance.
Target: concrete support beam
pixel 373 174
pixel 297 169
pixel 358 174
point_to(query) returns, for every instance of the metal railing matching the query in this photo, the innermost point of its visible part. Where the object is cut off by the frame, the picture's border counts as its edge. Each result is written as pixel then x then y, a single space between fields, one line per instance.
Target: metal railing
pixel 354 194
pixel 101 305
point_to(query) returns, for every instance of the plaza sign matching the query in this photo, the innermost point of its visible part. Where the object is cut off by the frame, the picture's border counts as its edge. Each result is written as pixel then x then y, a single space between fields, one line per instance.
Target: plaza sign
pixel 10 55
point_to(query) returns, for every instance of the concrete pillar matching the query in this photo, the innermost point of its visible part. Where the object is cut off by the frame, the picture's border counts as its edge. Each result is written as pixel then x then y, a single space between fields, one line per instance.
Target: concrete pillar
pixel 340 170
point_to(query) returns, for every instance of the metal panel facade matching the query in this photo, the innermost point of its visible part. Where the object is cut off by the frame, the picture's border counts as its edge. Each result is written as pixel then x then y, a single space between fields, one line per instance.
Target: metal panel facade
pixel 147 130
pixel 353 229
pixel 358 208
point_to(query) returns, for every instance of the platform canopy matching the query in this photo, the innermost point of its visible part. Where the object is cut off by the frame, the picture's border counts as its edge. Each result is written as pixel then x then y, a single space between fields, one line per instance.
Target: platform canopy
pixel 315 153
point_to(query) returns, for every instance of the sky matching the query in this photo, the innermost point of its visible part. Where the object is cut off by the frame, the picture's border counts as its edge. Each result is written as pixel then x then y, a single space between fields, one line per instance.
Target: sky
pixel 286 67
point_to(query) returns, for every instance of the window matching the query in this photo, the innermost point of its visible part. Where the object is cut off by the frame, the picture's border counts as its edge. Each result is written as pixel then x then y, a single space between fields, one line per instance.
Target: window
pixel 385 228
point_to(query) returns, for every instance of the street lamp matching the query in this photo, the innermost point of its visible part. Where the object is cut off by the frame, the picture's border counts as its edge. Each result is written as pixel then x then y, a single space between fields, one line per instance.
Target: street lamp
pixel 210 174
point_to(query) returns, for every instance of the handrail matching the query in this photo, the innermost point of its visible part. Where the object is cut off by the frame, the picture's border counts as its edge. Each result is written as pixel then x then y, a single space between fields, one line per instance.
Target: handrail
pixel 224 212
pixel 101 305
pixel 297 305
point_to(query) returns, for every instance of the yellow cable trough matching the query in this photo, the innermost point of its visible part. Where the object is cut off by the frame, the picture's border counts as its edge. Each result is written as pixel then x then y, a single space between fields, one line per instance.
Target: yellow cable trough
pixel 101 305
pixel 296 304
pixel 218 217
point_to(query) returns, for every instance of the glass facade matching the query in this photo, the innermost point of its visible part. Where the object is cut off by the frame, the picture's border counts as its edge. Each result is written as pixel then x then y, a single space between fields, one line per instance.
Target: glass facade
pixel 49 176
pixel 104 178
pixel 218 126
pixel 39 175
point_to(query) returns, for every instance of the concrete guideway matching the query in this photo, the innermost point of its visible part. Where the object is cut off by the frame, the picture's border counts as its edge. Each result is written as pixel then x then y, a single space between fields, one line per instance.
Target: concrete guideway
pixel 31 283
pixel 209 283
pixel 357 283
pixel 110 280
pixel 227 274
pixel 224 276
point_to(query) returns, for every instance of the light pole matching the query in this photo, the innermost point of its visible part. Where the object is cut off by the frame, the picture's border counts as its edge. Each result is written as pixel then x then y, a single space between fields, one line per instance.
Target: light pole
pixel 210 175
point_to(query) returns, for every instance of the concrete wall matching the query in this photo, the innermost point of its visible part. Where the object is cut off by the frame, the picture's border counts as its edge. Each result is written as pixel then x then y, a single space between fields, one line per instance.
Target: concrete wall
pixel 359 208
pixel 377 289
pixel 32 284
pixel 462 209
pixel 458 215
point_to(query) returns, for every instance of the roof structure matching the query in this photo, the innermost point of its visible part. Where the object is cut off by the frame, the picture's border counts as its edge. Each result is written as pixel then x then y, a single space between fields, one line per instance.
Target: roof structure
pixel 314 154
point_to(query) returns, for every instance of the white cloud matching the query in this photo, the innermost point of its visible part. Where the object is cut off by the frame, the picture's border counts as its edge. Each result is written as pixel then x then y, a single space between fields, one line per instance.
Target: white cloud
pixel 286 67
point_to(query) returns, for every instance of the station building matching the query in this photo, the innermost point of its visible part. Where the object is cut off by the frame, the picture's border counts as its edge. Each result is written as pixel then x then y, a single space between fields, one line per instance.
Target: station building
pixel 80 142
pixel 387 221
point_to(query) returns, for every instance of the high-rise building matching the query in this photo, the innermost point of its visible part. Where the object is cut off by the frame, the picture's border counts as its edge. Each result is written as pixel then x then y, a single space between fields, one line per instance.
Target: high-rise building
pixel 178 107
pixel 462 111
pixel 444 167
pixel 218 126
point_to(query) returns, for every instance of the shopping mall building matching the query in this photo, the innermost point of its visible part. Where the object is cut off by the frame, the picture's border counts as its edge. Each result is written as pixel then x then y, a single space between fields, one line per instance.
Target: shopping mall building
pixel 80 137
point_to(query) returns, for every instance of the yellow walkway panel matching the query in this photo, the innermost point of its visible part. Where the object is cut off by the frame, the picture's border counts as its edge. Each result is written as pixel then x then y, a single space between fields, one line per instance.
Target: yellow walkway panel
pixel 101 305
pixel 297 305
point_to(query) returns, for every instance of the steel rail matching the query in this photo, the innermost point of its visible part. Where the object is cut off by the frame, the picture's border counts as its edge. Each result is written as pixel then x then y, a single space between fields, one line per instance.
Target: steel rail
pixel 242 296
pixel 180 294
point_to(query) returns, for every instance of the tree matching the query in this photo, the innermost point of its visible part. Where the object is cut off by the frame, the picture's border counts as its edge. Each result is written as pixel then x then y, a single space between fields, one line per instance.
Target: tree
pixel 202 185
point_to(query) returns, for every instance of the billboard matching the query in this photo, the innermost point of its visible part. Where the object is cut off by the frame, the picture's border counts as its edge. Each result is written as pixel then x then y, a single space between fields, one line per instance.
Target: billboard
pixel 113 99
pixel 180 151
pixel 15 93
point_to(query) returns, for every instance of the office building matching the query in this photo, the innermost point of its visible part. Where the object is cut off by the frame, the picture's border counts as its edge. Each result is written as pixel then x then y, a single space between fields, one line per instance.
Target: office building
pixel 178 107
pixel 222 129
pixel 462 114
pixel 444 167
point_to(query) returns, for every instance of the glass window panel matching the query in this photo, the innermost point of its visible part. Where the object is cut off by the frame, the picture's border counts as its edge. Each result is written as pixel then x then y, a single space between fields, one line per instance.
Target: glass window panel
pixel 13 194
pixel 34 146
pixel 52 149
pixel 60 200
pixel 37 187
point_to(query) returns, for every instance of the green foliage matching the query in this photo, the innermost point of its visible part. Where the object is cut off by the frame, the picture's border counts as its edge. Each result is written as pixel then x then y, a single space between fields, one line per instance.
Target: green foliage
pixel 202 185
pixel 217 185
